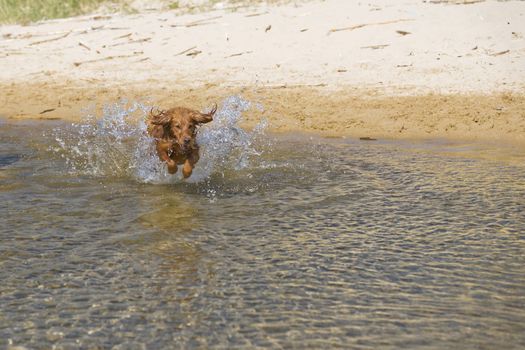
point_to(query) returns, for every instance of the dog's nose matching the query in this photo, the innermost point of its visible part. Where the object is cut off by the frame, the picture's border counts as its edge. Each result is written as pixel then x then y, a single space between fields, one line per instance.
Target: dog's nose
pixel 187 140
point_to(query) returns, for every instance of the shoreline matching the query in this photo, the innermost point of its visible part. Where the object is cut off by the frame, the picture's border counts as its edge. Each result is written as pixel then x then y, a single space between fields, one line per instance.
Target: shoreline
pixel 352 112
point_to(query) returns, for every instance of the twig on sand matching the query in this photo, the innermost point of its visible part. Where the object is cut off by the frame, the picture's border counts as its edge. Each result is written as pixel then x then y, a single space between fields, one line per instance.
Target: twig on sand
pixel 256 14
pixel 197 23
pixel 286 86
pixel 8 36
pixel 375 47
pixel 239 54
pixel 193 53
pixel 131 42
pixel 52 39
pixel 500 53
pixel 455 2
pixel 123 36
pixel 84 46
pixel 85 31
pixel 118 28
pixel 368 24
pixel 47 110
pixel 187 50
pixel 103 59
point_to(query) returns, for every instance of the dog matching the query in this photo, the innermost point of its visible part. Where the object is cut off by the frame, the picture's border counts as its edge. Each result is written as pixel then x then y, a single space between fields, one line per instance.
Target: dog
pixel 174 131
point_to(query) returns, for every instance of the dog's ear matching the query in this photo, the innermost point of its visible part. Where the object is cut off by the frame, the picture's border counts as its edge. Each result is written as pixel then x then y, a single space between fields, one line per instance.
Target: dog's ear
pixel 201 118
pixel 159 117
pixel 156 131
pixel 158 121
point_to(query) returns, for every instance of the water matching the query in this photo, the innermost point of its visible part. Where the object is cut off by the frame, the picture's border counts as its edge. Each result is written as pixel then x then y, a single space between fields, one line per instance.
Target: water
pixel 117 144
pixel 278 242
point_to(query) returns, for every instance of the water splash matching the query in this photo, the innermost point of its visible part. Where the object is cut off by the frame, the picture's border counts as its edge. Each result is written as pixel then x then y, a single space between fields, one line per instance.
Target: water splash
pixel 225 145
pixel 116 144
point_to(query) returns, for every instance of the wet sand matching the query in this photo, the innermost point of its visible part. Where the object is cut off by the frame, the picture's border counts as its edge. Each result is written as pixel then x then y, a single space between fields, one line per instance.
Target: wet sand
pixel 416 70
pixel 473 117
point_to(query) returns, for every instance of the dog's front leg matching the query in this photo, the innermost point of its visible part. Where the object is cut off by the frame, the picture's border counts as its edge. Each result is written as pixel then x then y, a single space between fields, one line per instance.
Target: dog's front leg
pixel 162 151
pixel 190 162
pixel 187 169
pixel 172 167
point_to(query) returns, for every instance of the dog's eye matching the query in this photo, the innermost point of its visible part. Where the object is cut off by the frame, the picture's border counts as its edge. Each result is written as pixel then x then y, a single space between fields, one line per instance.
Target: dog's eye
pixel 177 126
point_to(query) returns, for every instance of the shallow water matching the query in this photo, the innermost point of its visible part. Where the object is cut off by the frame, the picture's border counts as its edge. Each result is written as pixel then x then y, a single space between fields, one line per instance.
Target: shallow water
pixel 279 242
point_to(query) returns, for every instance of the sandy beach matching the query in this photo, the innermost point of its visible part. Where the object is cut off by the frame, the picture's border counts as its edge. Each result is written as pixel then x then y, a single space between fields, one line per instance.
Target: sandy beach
pixel 417 69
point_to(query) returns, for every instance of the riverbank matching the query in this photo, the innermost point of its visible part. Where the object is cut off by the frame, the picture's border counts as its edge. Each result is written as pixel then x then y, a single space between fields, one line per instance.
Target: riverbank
pixel 356 113
pixel 417 70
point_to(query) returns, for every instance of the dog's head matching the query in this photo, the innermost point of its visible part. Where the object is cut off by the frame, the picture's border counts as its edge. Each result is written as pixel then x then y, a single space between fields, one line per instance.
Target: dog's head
pixel 178 124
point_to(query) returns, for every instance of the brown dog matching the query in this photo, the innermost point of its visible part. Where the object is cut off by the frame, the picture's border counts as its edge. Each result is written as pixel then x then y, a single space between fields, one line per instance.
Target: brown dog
pixel 174 131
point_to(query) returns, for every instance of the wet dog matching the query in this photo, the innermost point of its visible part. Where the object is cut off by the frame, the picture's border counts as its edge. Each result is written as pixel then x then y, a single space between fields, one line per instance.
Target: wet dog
pixel 174 131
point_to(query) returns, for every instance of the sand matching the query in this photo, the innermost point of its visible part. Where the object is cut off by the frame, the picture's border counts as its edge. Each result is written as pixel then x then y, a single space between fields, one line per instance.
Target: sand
pixel 411 69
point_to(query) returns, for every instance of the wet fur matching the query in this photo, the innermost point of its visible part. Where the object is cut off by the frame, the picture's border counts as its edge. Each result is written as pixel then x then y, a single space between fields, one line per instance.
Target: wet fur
pixel 174 131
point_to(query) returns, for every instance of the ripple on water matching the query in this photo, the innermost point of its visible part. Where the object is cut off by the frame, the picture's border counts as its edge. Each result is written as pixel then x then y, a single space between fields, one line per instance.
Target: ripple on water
pixel 311 243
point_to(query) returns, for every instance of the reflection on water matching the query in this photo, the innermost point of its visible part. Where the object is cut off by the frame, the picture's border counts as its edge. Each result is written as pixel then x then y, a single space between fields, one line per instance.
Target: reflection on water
pixel 312 243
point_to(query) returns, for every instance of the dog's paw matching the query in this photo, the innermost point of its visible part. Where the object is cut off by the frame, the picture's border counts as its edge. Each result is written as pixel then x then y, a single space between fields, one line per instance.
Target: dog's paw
pixel 172 167
pixel 187 170
pixel 186 173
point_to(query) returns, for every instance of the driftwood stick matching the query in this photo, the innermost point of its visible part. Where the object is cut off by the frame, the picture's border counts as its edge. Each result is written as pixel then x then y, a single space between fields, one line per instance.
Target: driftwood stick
pixel 500 53
pixel 368 24
pixel 103 59
pixel 194 53
pixel 238 54
pixel 256 14
pixel 84 46
pixel 131 42
pixel 47 110
pixel 187 50
pixel 375 47
pixel 10 37
pixel 196 23
pixel 122 36
pixel 48 40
